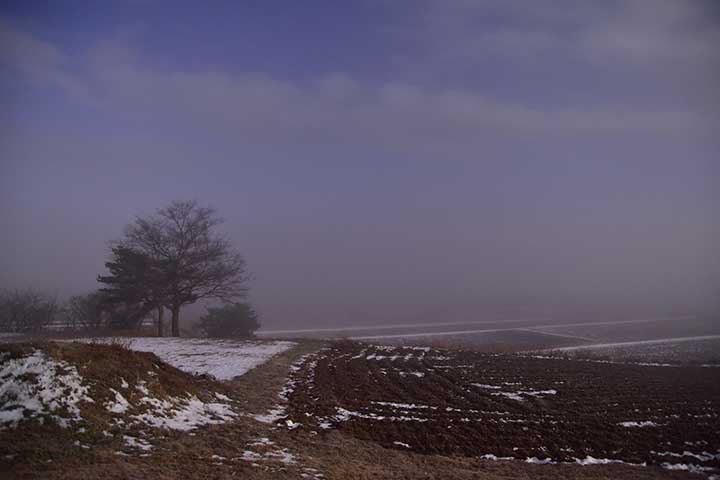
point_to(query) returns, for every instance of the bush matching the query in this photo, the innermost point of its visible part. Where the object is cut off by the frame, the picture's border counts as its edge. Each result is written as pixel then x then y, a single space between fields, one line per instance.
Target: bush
pixel 231 320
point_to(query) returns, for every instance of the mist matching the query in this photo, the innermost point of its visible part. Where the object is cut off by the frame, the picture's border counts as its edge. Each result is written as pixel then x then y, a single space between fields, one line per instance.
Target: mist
pixel 449 162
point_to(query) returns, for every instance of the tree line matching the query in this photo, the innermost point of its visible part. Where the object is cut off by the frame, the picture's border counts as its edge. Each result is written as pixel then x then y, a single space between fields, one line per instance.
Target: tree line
pixel 163 261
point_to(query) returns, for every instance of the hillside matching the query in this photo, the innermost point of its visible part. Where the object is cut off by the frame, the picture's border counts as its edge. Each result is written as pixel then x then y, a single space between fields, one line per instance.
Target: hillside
pixel 344 410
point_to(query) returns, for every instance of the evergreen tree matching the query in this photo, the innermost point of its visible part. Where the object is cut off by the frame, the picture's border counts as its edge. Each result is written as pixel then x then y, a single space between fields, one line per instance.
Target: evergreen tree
pixel 136 286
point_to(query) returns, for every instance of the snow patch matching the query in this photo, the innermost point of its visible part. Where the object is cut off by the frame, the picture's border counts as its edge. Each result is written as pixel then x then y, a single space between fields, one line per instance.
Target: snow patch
pixel 34 385
pixel 120 405
pixel 222 359
pixel 643 424
pixel 178 413
pixel 138 443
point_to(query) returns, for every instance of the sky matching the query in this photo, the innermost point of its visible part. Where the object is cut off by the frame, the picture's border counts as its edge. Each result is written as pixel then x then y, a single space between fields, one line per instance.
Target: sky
pixel 374 160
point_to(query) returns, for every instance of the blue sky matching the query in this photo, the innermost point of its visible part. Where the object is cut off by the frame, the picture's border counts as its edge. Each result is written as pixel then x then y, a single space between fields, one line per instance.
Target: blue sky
pixel 373 159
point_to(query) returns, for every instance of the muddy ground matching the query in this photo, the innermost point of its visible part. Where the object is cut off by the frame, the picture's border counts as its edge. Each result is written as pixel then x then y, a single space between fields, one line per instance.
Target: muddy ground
pixel 465 403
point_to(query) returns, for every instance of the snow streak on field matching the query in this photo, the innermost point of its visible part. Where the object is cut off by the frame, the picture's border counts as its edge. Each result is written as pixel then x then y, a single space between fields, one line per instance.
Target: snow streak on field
pixel 223 359
pixel 538 410
pixel 640 342
pixel 699 350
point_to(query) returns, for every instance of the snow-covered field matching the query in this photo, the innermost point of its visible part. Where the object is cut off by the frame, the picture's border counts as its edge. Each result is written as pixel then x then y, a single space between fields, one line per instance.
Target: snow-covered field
pixel 223 359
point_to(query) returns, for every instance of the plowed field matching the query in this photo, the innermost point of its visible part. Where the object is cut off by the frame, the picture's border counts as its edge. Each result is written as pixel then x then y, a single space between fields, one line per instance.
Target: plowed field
pixel 532 409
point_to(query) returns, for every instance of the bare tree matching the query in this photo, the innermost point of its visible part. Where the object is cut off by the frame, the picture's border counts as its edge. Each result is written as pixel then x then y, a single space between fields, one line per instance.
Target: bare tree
pixel 85 312
pixel 26 311
pixel 193 261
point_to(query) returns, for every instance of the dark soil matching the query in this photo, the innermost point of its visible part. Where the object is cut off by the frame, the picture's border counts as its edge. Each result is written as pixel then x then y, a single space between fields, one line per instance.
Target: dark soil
pixel 451 416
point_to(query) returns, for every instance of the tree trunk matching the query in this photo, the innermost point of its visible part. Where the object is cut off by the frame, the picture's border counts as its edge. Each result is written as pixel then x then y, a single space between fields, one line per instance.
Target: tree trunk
pixel 175 321
pixel 160 325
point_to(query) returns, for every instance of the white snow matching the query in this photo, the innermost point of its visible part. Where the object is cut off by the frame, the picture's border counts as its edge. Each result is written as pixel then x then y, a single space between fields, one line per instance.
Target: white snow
pixel 401 444
pixel 250 456
pixel 510 395
pixel 539 393
pixel 35 384
pixel 493 330
pixel 636 342
pixel 642 424
pixel 120 405
pixel 137 443
pixel 538 460
pixel 595 461
pixel 284 456
pixel 531 393
pixel 223 359
pixel 344 415
pixel 703 456
pixel 403 405
pixel 262 441
pixel 490 456
pixel 692 468
pixel 178 413
pixel 271 416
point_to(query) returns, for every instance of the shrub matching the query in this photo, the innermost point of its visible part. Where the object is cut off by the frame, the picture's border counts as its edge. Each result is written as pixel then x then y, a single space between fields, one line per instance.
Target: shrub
pixel 231 320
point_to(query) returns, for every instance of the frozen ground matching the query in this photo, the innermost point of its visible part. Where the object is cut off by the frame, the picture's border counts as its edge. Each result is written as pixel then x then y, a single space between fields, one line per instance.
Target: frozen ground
pixel 639 342
pixel 700 350
pixel 223 359
pixel 537 410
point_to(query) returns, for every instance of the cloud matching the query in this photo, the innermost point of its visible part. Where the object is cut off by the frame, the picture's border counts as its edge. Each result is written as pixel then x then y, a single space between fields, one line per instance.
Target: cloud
pixel 38 61
pixel 634 31
pixel 28 54
pixel 643 31
pixel 332 108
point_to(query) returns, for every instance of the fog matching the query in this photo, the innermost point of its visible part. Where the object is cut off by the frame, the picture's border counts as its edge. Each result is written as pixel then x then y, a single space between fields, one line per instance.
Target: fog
pixel 429 161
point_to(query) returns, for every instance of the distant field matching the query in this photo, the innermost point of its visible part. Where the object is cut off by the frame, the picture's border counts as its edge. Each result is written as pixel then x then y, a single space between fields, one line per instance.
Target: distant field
pixel 517 334
pixel 690 350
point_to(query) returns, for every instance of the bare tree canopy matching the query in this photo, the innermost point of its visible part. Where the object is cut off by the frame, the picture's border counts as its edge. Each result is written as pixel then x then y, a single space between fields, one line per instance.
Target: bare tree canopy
pixel 26 311
pixel 179 258
pixel 85 312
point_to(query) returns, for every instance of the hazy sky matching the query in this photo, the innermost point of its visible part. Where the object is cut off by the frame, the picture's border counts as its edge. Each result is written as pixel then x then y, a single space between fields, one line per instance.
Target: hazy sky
pixel 375 160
